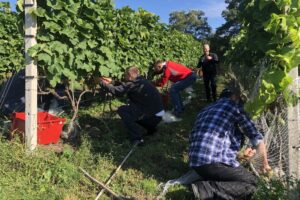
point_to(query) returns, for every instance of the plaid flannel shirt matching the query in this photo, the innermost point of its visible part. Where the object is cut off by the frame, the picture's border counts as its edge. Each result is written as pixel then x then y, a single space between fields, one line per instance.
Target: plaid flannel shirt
pixel 216 136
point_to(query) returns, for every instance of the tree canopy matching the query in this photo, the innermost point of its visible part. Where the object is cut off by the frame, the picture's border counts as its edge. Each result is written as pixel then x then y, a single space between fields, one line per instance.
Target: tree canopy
pixel 193 22
pixel 220 40
pixel 231 26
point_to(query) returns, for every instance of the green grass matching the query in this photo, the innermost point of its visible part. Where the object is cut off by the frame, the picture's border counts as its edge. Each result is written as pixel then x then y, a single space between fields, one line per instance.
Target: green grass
pixel 104 143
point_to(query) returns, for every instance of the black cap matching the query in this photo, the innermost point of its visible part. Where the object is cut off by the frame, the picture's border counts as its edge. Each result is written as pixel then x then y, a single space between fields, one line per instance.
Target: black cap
pixel 226 93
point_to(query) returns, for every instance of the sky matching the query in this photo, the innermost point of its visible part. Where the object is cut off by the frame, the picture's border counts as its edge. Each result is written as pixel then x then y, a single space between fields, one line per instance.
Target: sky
pixel 162 8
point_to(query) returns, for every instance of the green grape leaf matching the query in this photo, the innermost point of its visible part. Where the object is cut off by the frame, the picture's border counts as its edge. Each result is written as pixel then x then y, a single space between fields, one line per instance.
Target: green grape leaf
pixel 44 57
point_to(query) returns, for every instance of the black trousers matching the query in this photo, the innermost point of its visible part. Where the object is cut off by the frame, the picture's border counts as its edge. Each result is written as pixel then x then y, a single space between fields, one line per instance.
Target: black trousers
pixel 133 118
pixel 210 86
pixel 223 182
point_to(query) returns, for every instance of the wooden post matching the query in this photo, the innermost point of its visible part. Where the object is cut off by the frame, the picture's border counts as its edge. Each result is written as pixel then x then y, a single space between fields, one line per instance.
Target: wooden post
pixel 293 130
pixel 30 77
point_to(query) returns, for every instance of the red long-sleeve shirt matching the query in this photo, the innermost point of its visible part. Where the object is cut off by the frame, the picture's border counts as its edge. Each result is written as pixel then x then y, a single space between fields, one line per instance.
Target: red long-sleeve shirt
pixel 173 72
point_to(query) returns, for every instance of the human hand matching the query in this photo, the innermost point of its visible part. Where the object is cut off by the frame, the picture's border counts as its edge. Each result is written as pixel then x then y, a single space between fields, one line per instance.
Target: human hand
pixel 249 153
pixel 266 168
pixel 106 80
pixel 199 72
pixel 208 57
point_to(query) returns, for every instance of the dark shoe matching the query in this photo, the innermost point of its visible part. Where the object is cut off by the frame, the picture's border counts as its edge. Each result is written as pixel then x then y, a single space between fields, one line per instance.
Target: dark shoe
pixel 151 131
pixel 138 142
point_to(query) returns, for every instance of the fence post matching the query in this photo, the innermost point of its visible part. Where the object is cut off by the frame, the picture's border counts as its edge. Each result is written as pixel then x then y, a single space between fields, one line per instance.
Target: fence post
pixel 293 129
pixel 30 77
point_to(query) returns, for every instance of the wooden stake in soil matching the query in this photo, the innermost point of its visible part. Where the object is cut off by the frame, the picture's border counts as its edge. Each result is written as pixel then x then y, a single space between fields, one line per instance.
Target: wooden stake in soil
pixel 114 174
pixel 102 185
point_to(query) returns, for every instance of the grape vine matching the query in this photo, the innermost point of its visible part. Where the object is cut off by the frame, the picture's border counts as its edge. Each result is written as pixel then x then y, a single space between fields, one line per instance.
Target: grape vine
pixel 11 42
pixel 78 39
pixel 270 37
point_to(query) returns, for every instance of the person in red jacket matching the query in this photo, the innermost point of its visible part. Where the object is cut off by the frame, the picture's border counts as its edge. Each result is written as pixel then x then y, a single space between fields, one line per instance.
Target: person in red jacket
pixel 180 75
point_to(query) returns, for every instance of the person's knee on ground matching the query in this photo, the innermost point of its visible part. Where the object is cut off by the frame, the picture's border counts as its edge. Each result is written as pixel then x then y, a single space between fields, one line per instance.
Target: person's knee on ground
pixel 156 121
pixel 150 124
pixel 131 124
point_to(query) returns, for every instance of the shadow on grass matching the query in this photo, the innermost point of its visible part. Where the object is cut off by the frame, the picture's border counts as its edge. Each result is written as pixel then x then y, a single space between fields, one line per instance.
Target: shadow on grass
pixel 164 155
pixel 181 194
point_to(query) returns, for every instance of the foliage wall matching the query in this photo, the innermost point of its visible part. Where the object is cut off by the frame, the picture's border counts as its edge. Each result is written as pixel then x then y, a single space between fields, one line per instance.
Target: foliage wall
pixel 81 38
pixel 269 40
pixel 11 42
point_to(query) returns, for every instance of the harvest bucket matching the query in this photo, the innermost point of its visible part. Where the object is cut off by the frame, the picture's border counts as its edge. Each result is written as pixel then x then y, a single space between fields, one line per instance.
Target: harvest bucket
pixel 49 127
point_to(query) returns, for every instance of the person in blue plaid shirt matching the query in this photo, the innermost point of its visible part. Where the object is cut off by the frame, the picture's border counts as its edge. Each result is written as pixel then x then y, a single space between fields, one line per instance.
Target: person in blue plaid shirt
pixel 214 143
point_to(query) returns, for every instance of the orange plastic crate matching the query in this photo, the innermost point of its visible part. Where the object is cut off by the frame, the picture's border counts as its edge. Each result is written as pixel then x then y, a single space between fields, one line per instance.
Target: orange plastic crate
pixel 49 127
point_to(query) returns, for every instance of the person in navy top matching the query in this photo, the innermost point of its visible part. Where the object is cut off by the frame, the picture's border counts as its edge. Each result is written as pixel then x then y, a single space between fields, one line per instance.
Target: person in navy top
pixel 213 145
pixel 145 106
pixel 208 63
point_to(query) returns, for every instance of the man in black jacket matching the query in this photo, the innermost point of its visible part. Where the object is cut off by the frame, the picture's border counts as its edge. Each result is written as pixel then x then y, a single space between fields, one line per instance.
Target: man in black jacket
pixel 145 107
pixel 208 63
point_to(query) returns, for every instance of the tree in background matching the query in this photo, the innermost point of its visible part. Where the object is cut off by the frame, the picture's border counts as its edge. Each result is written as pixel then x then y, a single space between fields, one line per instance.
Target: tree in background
pixel 193 22
pixel 268 42
pixel 220 40
pixel 231 26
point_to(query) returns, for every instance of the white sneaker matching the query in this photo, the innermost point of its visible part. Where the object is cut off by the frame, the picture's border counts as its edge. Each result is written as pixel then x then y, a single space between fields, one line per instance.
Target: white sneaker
pixel 168 117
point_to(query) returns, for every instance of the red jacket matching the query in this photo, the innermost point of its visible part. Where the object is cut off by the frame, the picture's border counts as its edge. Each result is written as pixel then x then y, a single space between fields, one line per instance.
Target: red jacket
pixel 173 72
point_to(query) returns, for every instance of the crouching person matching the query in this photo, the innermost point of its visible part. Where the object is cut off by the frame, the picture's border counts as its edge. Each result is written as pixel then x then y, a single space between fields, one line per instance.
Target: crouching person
pixel 214 143
pixel 145 107
pixel 180 75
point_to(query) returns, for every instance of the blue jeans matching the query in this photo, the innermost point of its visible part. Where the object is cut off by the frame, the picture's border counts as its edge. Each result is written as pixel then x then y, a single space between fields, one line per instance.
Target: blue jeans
pixel 179 86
